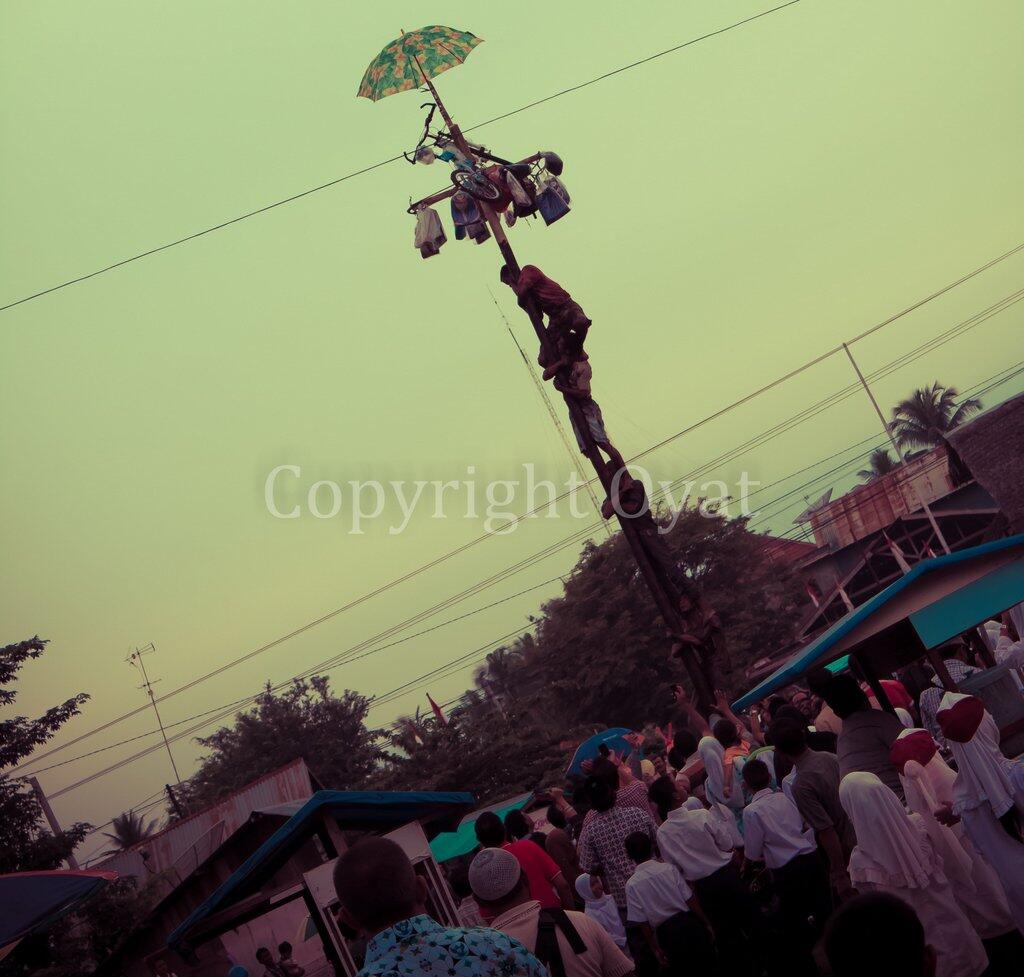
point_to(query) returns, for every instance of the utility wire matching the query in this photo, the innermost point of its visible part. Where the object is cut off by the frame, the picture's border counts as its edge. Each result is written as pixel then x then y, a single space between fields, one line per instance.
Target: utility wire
pixel 384 162
pixel 843 393
pixel 440 671
pixel 304 674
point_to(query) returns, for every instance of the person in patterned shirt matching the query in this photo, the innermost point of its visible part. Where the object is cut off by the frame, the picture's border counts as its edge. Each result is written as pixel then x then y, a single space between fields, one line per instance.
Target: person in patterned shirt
pixel 382 897
pixel 602 845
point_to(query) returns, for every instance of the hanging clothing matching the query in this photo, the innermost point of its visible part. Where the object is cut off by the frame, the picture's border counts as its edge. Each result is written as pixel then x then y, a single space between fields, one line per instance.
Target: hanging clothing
pixel 602 911
pixel 552 199
pixel 468 220
pixel 430 235
pixel 894 854
pixel 928 785
pixel 987 787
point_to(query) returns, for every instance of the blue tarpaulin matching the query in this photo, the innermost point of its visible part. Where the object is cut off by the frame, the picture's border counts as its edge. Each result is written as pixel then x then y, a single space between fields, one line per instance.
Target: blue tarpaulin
pixel 366 810
pixel 590 748
pixel 31 901
pixel 981 581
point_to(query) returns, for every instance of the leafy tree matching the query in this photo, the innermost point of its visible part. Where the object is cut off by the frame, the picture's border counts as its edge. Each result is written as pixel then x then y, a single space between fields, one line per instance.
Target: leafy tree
pixel 25 841
pixel 930 413
pixel 880 463
pixel 597 657
pixel 305 720
pixel 129 829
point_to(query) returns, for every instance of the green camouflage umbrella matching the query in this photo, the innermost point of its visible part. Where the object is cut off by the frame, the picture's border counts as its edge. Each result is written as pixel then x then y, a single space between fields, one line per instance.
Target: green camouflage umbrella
pixel 413 59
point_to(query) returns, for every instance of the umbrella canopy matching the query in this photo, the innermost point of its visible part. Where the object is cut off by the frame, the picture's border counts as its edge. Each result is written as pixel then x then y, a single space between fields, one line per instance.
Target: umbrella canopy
pixel 30 901
pixel 614 739
pixel 413 59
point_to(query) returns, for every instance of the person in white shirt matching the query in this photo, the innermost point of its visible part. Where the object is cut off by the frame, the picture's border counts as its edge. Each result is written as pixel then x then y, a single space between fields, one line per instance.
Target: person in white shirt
pixel 664 906
pixel 774 833
pixel 701 847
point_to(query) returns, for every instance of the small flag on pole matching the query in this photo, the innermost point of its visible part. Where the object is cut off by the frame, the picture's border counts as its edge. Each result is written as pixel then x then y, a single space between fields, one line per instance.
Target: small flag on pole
pixel 437 711
pixel 846 598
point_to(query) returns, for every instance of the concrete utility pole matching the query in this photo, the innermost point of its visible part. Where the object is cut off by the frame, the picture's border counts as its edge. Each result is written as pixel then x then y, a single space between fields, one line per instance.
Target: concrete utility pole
pixel 136 660
pixel 660 589
pixel 51 819
pixel 896 447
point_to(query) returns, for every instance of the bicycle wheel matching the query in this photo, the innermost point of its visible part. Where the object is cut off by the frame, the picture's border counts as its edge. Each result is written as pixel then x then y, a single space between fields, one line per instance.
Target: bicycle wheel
pixel 475 185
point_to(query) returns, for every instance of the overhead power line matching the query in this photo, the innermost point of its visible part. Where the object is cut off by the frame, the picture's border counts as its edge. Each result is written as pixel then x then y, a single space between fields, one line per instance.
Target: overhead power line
pixel 441 671
pixel 780 428
pixel 385 162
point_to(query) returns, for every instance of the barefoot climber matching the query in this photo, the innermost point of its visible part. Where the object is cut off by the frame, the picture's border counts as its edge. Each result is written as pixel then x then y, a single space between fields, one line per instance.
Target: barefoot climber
pixel 563 351
pixel 703 628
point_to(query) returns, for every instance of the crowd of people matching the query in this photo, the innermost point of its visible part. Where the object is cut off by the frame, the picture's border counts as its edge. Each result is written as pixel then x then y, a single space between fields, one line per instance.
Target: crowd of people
pixel 821 835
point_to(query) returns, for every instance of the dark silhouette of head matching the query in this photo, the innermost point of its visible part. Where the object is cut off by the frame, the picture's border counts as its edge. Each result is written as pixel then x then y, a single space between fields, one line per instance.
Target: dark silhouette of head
pixel 490 831
pixel 377 886
pixel 726 733
pixel 880 935
pixel 601 794
pixel 639 847
pixel 517 825
pixel 264 956
pixel 845 696
pixel 556 817
pixel 664 796
pixel 756 775
pixel 788 737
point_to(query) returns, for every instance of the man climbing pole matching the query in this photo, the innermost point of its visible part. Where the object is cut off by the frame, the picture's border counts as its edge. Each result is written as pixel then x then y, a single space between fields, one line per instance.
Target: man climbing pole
pixel 703 629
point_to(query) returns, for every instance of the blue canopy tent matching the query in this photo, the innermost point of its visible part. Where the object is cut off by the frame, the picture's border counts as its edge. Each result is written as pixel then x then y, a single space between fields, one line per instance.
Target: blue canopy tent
pixel 241 897
pixel 936 600
pixel 31 901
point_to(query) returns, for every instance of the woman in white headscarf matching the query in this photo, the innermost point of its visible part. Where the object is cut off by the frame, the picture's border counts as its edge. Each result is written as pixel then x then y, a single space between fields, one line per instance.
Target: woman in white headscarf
pixel 601 908
pixel 895 855
pixel 988 795
pixel 928 787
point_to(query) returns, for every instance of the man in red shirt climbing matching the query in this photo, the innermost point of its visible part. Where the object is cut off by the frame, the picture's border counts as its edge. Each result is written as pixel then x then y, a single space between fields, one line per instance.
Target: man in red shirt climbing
pixel 564 314
pixel 562 355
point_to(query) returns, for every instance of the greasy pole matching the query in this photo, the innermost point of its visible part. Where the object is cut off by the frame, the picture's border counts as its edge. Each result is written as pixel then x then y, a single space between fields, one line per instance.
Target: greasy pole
pixel 661 594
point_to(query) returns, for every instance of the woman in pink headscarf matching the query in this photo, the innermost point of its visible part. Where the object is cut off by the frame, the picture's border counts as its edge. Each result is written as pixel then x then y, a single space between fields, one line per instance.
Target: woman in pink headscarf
pixel 928 787
pixel 894 855
pixel 988 795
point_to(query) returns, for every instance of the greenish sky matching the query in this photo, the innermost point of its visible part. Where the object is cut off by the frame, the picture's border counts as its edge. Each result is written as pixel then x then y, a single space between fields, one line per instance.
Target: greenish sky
pixel 739 207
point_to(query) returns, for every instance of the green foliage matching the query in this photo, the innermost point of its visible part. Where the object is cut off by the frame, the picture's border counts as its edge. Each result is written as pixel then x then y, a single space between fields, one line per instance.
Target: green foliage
pixel 305 720
pixel 25 841
pixel 129 829
pixel 880 463
pixel 929 413
pixel 599 658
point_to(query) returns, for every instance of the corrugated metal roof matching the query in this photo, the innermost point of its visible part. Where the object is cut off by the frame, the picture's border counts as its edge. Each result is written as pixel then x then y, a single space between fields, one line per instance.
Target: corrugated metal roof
pixel 183 845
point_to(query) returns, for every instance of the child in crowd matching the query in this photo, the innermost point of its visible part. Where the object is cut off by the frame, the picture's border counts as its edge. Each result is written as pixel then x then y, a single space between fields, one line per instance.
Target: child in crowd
pixel 774 833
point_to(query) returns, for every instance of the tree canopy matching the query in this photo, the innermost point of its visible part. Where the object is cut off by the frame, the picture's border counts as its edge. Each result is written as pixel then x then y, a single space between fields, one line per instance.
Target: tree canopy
pixel 597 656
pixel 305 720
pixel 930 413
pixel 25 841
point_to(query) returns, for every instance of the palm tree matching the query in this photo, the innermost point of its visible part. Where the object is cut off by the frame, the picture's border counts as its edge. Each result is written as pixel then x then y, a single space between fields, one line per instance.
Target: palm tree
pixel 129 829
pixel 930 413
pixel 880 463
